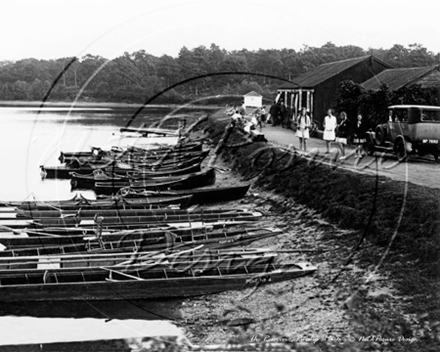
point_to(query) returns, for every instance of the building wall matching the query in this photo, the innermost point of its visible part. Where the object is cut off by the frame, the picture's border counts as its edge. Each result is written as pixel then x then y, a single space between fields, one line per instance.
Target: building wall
pixel 253 101
pixel 325 93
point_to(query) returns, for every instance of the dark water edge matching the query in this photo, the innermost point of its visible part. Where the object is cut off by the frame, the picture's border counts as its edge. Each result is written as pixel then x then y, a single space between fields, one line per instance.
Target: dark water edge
pixel 85 106
pixel 157 309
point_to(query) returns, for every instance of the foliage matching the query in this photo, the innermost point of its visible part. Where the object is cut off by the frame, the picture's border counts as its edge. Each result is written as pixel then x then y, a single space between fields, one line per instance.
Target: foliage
pixel 353 99
pixel 135 77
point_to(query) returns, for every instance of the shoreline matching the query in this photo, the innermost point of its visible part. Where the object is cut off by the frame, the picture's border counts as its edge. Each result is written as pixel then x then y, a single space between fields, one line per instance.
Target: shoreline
pixel 111 105
pixel 319 206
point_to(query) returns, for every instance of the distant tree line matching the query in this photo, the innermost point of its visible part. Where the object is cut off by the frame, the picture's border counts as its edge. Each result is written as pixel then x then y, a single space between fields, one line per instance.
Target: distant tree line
pixel 134 77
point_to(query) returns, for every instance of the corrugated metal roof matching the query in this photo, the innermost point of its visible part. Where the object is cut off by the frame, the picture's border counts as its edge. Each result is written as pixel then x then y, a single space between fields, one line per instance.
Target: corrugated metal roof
pixel 253 94
pixel 398 77
pixel 326 71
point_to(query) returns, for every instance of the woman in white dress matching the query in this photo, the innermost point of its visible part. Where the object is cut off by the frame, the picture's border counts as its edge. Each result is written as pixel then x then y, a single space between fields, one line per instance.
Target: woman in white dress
pixel 330 124
pixel 302 131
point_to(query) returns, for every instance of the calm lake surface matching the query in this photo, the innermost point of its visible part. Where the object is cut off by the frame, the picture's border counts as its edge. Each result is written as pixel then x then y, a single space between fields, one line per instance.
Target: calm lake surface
pixel 29 138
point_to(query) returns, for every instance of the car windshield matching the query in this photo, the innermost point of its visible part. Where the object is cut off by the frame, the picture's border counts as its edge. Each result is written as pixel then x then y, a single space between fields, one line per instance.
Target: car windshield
pixel 430 115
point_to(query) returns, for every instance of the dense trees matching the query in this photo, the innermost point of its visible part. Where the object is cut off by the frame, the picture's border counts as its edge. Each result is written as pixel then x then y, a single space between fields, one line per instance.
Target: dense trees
pixel 134 77
pixel 353 99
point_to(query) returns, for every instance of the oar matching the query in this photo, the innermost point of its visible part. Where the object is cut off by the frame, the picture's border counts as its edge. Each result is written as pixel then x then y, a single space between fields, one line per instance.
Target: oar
pixel 38 233
pixel 24 231
pixel 10 229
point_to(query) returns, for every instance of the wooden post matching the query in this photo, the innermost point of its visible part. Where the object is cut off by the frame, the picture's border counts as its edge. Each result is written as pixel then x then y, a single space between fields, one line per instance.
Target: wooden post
pixel 308 100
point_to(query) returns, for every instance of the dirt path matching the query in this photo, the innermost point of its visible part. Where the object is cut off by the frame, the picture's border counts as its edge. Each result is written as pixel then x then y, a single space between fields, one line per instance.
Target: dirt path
pixel 421 171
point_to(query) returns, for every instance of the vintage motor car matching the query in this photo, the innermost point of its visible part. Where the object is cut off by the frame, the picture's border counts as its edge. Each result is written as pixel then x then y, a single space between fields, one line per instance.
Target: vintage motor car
pixel 410 129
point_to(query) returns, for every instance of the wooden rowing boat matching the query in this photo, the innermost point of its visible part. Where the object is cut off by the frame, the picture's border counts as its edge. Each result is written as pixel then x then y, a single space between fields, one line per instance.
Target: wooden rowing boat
pixel 197 179
pixel 155 239
pixel 134 222
pixel 63 172
pixel 196 257
pixel 115 202
pixel 200 195
pixel 87 181
pixel 118 283
pixel 90 213
pixel 141 160
pixel 116 153
pixel 164 172
pixel 81 181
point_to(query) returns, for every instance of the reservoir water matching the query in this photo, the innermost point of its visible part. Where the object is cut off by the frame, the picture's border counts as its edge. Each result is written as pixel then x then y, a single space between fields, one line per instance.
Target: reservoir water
pixel 30 138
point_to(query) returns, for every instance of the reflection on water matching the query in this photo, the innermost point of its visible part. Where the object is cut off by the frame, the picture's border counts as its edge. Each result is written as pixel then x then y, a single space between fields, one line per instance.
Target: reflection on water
pixel 29 139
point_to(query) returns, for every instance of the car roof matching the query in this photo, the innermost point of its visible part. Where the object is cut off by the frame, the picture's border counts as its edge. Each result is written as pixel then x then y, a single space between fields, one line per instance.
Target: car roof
pixel 424 107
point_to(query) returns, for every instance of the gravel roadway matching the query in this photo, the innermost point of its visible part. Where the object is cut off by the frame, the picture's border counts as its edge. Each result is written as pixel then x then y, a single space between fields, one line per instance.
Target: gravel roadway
pixel 422 171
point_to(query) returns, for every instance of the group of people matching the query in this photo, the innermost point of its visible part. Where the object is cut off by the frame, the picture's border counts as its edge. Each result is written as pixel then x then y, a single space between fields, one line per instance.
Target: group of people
pixel 236 113
pixel 334 131
pixel 280 115
pixel 259 117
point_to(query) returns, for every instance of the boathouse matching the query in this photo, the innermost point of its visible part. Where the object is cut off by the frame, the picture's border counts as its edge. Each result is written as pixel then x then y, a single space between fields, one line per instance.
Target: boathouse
pixel 427 77
pixel 253 99
pixel 318 86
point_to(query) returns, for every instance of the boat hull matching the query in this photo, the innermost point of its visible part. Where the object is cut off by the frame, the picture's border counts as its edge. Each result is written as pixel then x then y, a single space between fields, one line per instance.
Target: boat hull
pixel 145 289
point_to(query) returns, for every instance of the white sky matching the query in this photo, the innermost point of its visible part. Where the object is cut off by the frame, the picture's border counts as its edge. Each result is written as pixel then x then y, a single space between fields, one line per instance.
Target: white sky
pixel 47 29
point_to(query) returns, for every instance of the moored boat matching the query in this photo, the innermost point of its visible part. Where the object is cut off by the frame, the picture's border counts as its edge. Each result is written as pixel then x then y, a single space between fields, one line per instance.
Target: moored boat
pixel 133 222
pixel 42 242
pixel 116 153
pixel 144 282
pixel 197 179
pixel 64 171
pixel 114 202
pixel 200 195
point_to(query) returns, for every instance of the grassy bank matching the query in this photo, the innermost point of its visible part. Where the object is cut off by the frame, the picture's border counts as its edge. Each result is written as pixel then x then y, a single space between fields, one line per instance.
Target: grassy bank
pixel 375 207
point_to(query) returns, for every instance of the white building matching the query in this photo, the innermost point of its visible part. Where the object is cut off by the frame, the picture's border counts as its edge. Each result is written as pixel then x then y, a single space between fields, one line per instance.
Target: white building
pixel 253 99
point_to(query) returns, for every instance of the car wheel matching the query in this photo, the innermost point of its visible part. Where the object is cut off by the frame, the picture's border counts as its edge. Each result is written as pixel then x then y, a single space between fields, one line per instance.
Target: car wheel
pixel 381 134
pixel 436 158
pixel 400 147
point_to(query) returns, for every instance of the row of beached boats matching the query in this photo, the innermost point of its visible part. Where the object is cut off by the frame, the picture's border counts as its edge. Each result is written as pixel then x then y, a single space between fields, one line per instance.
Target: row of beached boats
pixel 149 238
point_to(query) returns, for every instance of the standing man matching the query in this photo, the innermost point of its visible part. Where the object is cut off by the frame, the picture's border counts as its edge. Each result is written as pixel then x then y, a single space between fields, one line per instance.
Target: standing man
pixel 283 114
pixel 277 113
pixel 330 124
pixel 273 111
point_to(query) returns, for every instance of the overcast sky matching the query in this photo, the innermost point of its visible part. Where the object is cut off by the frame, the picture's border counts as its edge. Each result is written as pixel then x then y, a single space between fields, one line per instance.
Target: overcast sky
pixel 47 29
